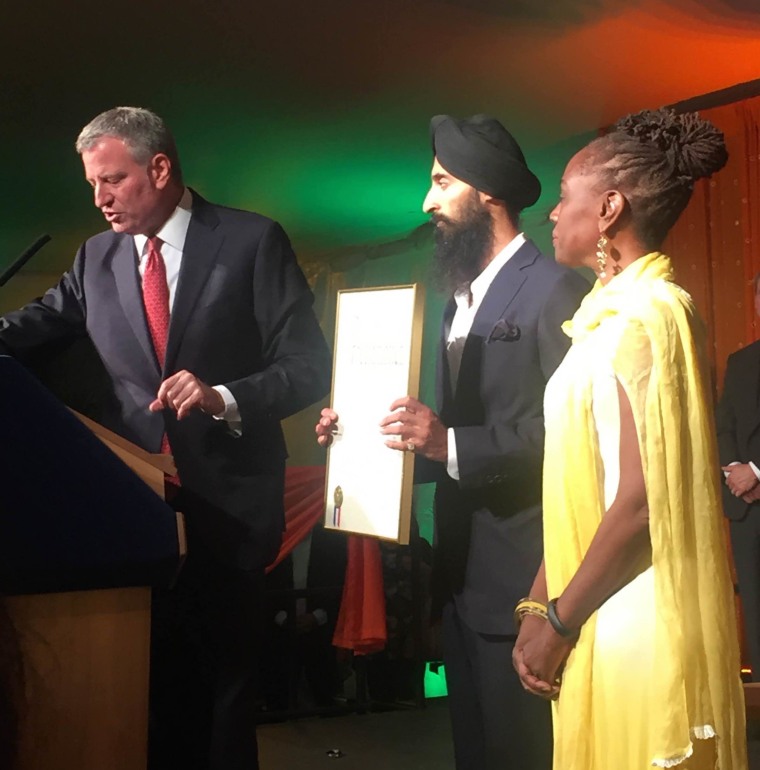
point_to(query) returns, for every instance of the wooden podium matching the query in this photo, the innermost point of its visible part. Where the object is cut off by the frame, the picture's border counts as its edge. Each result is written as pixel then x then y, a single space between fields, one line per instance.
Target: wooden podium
pixel 82 540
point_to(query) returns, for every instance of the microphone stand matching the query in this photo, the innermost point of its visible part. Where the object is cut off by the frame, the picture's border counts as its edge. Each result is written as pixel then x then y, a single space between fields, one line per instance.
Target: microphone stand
pixel 25 256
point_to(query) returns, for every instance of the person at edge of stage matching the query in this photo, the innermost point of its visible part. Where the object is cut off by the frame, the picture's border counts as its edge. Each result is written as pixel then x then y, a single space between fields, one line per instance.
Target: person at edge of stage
pixel 500 342
pixel 739 449
pixel 203 321
pixel 630 624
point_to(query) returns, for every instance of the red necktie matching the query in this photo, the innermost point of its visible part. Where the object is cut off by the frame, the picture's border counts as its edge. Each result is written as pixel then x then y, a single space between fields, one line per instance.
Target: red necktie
pixel 156 299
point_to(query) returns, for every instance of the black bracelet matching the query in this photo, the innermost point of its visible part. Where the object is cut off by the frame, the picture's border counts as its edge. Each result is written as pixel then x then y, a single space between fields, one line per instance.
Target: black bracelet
pixel 556 623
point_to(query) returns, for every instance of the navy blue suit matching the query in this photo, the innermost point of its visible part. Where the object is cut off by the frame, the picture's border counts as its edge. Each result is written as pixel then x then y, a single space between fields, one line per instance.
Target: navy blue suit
pixel 242 317
pixel 488 523
pixel 738 424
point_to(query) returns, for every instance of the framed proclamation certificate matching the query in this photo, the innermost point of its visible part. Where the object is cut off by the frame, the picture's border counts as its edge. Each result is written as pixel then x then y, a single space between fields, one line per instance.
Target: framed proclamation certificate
pixel 378 342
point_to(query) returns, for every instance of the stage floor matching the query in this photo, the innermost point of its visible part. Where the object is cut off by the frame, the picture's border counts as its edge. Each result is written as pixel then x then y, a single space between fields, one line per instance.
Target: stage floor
pixel 415 739
pixel 418 739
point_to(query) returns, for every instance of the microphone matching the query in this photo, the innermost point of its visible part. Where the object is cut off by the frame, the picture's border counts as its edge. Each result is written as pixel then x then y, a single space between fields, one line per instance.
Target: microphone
pixel 23 259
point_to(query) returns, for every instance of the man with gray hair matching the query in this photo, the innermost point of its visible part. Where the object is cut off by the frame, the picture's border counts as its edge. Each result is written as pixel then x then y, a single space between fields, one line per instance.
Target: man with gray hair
pixel 204 323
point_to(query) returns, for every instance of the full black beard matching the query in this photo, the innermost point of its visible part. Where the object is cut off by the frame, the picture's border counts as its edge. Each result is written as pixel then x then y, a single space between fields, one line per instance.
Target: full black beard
pixel 461 246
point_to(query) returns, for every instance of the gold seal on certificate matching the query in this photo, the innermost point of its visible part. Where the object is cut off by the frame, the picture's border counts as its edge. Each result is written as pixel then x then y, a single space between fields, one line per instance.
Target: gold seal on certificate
pixel 338 504
pixel 378 344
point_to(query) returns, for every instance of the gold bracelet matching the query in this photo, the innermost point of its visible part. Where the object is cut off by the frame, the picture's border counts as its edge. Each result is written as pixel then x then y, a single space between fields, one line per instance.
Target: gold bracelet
pixel 530 606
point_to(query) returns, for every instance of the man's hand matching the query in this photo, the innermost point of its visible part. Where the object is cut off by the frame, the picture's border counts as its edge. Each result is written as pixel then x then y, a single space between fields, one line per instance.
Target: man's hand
pixel 416 428
pixel 184 392
pixel 753 495
pixel 740 479
pixel 326 427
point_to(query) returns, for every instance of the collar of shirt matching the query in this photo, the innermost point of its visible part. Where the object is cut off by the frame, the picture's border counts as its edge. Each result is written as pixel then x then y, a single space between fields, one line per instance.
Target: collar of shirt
pixel 173 234
pixel 174 231
pixel 470 296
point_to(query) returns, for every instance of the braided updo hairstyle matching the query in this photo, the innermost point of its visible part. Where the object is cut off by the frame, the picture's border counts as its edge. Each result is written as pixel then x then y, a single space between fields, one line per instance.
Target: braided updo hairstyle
pixel 654 158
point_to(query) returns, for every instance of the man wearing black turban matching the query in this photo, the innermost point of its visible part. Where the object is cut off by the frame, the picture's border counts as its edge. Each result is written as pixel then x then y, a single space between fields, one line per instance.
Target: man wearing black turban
pixel 501 340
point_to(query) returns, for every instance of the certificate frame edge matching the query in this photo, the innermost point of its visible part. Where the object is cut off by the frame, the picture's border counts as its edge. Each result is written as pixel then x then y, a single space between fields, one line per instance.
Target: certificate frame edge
pixel 413 389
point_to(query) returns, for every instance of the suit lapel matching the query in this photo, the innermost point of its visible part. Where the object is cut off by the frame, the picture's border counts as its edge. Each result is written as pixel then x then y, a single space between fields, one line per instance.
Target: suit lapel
pixel 128 285
pixel 502 291
pixel 198 258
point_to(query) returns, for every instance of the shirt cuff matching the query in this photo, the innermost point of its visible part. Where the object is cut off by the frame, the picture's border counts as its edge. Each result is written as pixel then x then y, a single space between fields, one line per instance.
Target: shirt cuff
pixel 755 469
pixel 231 413
pixel 725 473
pixel 452 465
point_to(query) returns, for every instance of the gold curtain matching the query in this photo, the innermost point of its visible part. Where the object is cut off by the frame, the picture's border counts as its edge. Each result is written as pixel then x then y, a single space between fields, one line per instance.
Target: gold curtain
pixel 715 245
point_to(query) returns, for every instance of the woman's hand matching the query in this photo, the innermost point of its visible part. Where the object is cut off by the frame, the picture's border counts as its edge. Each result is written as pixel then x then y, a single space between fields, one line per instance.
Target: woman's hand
pixel 538 656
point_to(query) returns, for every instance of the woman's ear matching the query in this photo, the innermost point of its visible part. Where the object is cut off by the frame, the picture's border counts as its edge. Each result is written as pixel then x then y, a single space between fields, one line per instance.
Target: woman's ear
pixel 613 205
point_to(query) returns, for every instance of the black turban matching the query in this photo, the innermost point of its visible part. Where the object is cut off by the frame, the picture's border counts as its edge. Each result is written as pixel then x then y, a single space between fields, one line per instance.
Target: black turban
pixel 481 152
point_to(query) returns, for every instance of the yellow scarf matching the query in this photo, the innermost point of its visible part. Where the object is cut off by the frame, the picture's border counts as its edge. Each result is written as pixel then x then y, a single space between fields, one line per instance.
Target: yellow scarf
pixel 697 688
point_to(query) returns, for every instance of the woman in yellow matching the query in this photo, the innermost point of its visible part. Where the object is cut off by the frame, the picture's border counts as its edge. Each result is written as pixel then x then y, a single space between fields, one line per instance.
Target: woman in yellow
pixel 630 626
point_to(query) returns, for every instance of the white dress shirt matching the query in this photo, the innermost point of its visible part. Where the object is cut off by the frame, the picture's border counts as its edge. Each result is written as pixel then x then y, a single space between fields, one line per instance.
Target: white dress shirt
pixel 172 236
pixel 468 298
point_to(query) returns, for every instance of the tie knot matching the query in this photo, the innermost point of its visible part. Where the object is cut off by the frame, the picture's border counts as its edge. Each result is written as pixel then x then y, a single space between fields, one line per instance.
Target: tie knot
pixel 154 244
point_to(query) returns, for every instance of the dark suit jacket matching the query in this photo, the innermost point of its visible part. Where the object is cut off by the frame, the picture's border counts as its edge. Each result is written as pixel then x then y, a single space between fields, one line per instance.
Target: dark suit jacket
pixel 488 524
pixel 738 419
pixel 242 317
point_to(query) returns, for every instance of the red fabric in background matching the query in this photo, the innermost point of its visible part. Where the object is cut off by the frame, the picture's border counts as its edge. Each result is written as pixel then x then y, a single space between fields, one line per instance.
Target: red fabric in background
pixel 361 620
pixel 304 506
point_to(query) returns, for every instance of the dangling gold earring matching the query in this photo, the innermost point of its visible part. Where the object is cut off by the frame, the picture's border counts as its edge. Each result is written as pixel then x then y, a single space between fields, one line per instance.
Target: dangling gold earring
pixel 601 255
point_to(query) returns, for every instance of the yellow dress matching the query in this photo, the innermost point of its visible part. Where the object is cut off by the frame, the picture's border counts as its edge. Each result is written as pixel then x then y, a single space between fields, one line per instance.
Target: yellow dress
pixel 654 678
